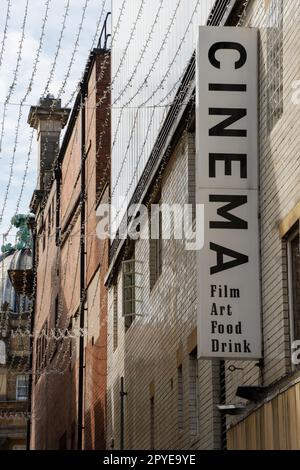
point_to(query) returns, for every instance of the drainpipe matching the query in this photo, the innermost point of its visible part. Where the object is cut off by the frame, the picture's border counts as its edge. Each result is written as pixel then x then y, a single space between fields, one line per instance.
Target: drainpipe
pixel 223 429
pixel 32 226
pixel 57 211
pixel 82 271
pixel 122 413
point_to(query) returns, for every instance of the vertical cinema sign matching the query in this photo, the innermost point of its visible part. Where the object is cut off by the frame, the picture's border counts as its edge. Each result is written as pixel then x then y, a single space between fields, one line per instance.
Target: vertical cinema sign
pixel 227 184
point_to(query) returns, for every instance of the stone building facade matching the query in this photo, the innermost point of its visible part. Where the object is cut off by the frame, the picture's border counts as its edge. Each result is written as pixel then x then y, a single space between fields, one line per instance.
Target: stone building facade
pixel 15 317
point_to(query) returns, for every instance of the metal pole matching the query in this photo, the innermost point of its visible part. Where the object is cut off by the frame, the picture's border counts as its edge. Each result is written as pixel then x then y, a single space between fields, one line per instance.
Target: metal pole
pixel 122 417
pixel 33 232
pixel 223 429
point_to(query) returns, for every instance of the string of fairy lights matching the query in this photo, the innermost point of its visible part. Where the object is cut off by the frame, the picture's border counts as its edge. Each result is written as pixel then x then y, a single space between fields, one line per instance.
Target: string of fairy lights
pixel 46 89
pixel 19 331
pixel 62 349
pixel 94 42
pixel 93 302
pixel 106 120
pixel 23 100
pixel 5 31
pixel 45 353
pixel 62 336
pixel 181 42
pixel 53 67
pixel 58 372
pixel 58 48
pixel 15 73
pixel 74 51
pixel 108 89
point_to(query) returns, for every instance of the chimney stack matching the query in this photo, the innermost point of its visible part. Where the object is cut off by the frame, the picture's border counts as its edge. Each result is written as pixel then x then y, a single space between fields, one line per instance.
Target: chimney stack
pixel 48 118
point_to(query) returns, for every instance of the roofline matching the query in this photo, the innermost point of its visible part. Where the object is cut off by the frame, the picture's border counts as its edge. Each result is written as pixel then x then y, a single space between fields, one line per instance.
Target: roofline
pixel 76 107
pixel 96 52
pixel 172 130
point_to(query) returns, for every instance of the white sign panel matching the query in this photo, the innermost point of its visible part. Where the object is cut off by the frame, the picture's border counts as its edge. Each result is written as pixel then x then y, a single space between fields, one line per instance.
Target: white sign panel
pixel 229 324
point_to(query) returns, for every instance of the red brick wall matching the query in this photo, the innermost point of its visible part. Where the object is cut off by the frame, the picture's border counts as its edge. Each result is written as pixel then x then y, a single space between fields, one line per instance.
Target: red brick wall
pixel 55 395
pixel 97 171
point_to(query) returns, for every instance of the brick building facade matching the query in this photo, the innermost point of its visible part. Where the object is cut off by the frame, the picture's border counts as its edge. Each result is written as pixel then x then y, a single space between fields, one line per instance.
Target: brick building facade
pixel 69 349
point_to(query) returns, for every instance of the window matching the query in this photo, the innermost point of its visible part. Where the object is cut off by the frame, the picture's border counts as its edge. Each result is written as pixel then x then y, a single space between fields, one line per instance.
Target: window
pixel 3 385
pixel 54 347
pixel 21 345
pixel 294 282
pixel 132 289
pixel 155 259
pixel 180 398
pixel 52 211
pixel 129 292
pixel 193 392
pixel 44 237
pixel 275 62
pixel 2 353
pixel 56 315
pixel 49 221
pixel 22 388
pixel 44 344
pixel 115 320
pixel 37 357
pixel 41 350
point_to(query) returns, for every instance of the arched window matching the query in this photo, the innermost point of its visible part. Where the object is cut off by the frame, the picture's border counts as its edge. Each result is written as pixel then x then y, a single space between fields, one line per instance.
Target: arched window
pixel 2 353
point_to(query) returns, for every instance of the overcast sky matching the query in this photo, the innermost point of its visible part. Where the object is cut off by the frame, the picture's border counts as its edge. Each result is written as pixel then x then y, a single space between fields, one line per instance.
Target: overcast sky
pixel 13 158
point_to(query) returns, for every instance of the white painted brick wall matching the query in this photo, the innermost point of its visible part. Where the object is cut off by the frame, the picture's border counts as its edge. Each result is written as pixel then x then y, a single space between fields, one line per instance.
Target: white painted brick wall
pixel 147 353
pixel 279 153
